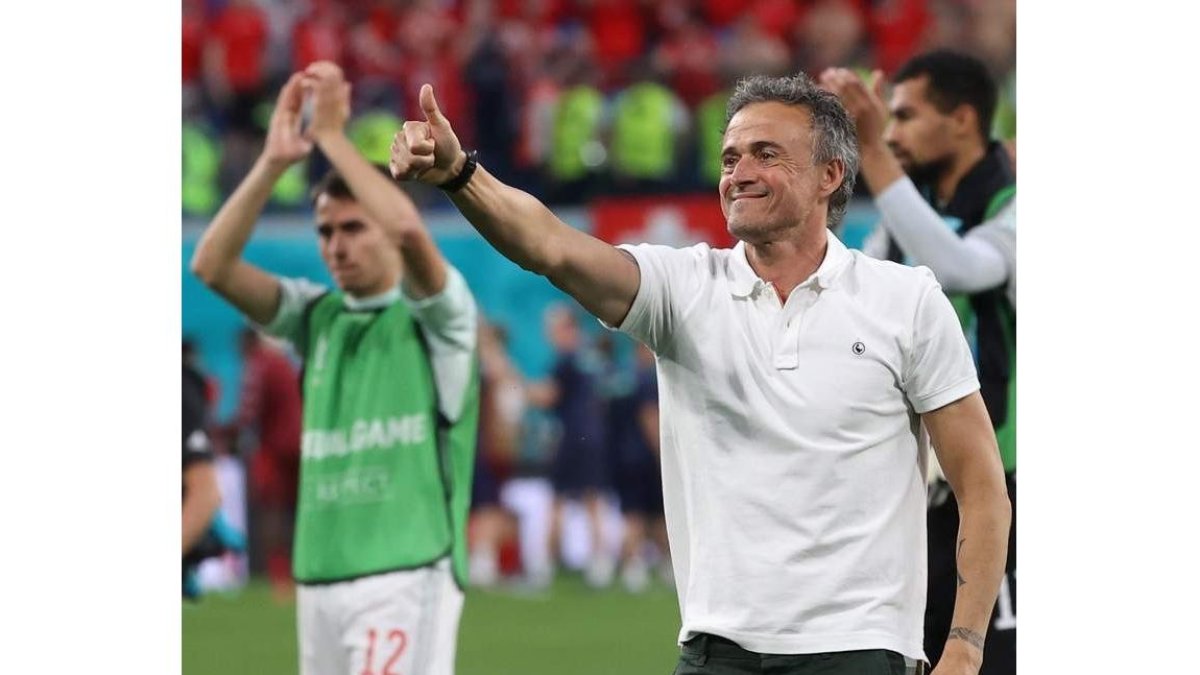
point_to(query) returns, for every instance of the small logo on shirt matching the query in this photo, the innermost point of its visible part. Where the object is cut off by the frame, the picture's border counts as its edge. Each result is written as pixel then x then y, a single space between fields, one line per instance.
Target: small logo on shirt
pixel 858 348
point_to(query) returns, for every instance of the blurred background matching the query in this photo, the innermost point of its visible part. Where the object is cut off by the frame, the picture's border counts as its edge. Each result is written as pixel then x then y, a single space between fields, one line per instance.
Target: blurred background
pixel 609 110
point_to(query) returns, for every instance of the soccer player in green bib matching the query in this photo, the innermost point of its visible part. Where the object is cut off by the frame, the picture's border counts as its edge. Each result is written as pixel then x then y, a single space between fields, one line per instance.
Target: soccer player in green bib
pixel 391 397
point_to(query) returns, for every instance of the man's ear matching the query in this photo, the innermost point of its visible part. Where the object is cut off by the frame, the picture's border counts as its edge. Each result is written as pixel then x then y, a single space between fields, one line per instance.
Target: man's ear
pixel 832 177
pixel 965 120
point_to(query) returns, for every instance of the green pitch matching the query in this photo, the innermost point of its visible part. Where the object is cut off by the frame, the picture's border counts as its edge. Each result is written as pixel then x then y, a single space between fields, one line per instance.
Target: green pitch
pixel 569 630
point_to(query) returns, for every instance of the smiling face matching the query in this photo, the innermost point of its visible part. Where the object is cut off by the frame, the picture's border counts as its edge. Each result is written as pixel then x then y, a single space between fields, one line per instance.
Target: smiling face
pixel 359 256
pixel 769 182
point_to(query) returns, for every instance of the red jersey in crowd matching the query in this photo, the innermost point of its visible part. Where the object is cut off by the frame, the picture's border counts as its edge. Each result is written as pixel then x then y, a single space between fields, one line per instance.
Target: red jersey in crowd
pixel 270 401
pixel 690 56
pixel 319 36
pixel 241 30
pixel 721 13
pixel 193 42
pixel 896 29
pixel 375 43
pixel 618 29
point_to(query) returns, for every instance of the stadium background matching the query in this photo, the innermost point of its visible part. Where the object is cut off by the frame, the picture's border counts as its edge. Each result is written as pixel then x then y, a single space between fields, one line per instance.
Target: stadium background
pixel 605 108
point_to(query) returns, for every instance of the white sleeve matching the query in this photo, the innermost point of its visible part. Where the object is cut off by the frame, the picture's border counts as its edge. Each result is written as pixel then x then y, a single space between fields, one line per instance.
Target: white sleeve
pixel 294 295
pixel 448 321
pixel 1000 233
pixel 961 264
pixel 939 368
pixel 668 284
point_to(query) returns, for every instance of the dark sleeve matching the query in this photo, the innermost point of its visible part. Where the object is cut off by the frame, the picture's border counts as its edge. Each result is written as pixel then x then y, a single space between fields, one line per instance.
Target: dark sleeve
pixel 647 390
pixel 562 370
pixel 196 445
pixel 566 375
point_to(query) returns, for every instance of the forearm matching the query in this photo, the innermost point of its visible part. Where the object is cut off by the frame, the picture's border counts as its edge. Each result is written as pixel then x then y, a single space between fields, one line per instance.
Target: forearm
pixel 515 223
pixel 961 264
pixel 962 435
pixel 879 167
pixel 222 243
pixel 982 549
pixel 380 197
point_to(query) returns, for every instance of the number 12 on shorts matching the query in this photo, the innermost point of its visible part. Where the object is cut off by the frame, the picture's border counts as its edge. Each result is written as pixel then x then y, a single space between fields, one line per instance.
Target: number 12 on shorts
pixel 395 635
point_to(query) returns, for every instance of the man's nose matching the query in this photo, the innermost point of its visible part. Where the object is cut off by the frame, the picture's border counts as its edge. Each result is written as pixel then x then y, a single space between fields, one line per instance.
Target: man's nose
pixel 743 172
pixel 337 245
pixel 889 132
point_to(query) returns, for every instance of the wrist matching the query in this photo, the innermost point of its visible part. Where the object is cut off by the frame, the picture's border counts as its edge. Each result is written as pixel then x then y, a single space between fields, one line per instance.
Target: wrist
pixel 273 167
pixel 322 137
pixel 879 166
pixel 962 652
pixel 460 162
pixel 873 148
pixel 460 172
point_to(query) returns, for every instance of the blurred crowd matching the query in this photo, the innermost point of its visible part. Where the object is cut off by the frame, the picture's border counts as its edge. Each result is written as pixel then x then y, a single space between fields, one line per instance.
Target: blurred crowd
pixel 564 98
pixel 566 477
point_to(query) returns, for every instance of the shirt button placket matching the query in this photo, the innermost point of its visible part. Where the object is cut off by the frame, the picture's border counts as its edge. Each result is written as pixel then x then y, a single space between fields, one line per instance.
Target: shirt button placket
pixel 787 353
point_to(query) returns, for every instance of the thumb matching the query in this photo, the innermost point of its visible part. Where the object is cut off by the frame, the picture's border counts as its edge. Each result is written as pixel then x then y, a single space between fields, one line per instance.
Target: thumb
pixel 429 106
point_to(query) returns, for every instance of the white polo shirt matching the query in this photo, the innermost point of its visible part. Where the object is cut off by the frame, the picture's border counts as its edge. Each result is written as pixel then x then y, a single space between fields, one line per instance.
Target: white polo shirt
pixel 793 460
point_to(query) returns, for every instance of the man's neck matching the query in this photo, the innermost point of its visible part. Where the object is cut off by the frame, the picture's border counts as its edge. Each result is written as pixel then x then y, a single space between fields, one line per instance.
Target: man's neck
pixel 962 163
pixel 786 263
pixel 386 284
pixel 369 295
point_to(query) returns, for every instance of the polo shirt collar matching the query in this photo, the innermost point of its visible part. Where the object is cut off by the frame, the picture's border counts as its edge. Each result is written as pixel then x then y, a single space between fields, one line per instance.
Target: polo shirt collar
pixel 743 281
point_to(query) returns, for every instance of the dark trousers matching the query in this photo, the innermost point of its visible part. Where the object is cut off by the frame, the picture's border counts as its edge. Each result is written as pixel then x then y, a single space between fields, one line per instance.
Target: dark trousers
pixel 712 655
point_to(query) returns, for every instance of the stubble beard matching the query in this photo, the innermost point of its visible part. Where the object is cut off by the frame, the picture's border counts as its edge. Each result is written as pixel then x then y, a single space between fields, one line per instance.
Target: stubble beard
pixel 928 173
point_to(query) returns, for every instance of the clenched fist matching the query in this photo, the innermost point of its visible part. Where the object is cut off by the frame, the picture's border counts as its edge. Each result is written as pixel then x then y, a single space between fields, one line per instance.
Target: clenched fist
pixel 427 151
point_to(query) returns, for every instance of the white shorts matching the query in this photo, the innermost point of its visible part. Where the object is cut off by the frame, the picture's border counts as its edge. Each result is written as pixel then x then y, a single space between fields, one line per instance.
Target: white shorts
pixel 399 623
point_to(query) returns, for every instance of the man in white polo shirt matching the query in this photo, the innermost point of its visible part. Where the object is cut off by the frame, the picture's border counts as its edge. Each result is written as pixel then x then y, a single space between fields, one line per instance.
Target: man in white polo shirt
pixel 796 380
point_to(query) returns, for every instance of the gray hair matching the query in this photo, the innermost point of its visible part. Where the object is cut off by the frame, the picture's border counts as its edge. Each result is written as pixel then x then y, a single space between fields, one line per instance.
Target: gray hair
pixel 834 132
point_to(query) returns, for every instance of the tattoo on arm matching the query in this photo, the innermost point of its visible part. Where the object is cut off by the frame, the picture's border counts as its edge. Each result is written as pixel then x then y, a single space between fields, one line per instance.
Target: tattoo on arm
pixel 960 633
pixel 958 556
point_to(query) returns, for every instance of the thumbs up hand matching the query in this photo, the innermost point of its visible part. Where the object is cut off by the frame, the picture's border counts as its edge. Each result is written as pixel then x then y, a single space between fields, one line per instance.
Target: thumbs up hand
pixel 427 151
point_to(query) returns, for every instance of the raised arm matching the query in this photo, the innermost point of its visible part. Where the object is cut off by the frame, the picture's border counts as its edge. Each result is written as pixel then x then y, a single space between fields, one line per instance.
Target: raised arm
pixel 598 275
pixel 965 443
pixel 387 204
pixel 961 264
pixel 218 261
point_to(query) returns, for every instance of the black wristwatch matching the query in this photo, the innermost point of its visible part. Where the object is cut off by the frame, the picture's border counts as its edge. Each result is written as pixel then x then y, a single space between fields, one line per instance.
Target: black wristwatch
pixel 455 184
